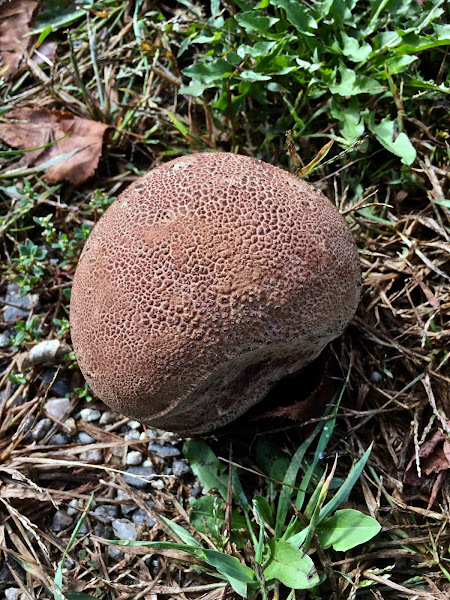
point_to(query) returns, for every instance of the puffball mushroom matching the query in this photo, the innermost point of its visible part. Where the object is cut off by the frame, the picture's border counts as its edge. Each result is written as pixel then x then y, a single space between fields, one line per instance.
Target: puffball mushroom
pixel 206 281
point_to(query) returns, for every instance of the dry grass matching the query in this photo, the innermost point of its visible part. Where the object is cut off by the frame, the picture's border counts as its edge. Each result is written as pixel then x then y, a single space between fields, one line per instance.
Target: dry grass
pixel 397 345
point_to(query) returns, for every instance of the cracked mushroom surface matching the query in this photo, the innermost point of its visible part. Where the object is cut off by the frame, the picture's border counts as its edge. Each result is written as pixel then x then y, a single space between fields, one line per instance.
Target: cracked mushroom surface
pixel 206 281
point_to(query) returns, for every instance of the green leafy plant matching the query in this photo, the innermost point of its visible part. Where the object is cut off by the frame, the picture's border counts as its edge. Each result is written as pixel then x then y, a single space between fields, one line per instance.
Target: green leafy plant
pixel 26 331
pixel 283 529
pixel 29 266
pixel 68 248
pixel 293 62
pixel 83 393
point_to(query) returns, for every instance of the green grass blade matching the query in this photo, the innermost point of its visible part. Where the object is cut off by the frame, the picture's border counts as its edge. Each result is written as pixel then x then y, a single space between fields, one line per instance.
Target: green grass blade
pixel 181 532
pixel 344 491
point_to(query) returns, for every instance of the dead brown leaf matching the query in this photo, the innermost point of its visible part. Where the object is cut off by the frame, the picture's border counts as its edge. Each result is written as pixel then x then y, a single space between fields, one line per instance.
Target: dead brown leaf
pixel 30 128
pixel 15 18
pixel 434 456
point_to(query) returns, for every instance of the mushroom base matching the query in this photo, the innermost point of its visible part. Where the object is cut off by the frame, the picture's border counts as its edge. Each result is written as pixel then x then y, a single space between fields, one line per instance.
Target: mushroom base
pixel 234 388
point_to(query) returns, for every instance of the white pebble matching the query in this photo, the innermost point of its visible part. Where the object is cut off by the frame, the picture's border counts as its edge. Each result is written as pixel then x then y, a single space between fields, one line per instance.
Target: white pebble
pixel 133 424
pixel 134 458
pixel 72 508
pixel 158 484
pixel 90 414
pixel 124 530
pixel 57 408
pixel 131 435
pixel 70 426
pixel 108 417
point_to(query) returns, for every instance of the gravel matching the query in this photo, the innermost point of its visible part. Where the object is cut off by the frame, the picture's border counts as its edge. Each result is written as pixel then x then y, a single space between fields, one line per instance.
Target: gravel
pixel 104 531
pixel 4 342
pixel 114 553
pixel 124 530
pixel 72 508
pixel 90 414
pixel 140 515
pixel 108 417
pixel 163 450
pixel 61 521
pixel 85 438
pixel 59 439
pixel 181 468
pixel 24 304
pixel 58 408
pixel 134 457
pixel 106 512
pixel 126 509
pixel 61 385
pixel 139 484
pixel 41 429
pixel 70 426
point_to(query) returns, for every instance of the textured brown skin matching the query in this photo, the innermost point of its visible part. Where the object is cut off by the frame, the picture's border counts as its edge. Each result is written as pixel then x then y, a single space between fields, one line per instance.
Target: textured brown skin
pixel 206 281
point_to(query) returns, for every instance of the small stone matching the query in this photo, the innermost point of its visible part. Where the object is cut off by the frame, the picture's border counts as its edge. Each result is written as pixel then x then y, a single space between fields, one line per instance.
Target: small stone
pixel 46 351
pixel 61 521
pixel 72 507
pixel 197 491
pixel 57 408
pixel 25 303
pixel 167 470
pixel 85 438
pixel 108 417
pixel 4 342
pixel 68 563
pixel 115 554
pixel 134 458
pixel 12 593
pixel 59 439
pixel 90 414
pixel 41 429
pixel 376 377
pixel 93 456
pixel 134 424
pixel 125 508
pixel 154 566
pixel 106 512
pixel 102 530
pixel 70 426
pixel 147 463
pixel 138 483
pixel 124 530
pixel 163 450
pixel 180 468
pixel 140 515
pixel 131 435
pixel 158 484
pixel 60 386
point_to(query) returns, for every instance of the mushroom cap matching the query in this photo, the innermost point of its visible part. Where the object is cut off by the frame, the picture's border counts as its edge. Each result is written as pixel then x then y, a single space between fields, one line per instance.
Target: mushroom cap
pixel 206 281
